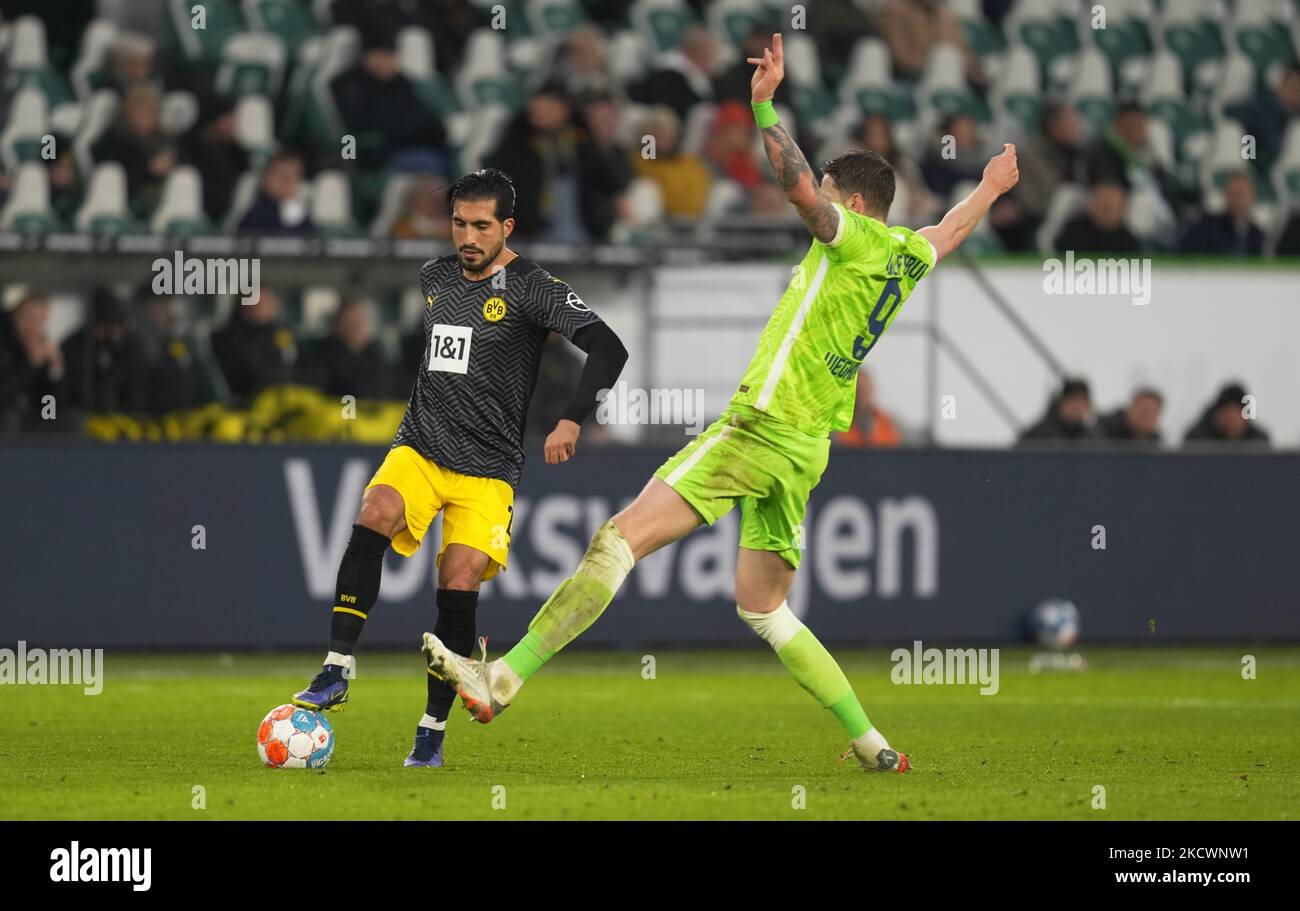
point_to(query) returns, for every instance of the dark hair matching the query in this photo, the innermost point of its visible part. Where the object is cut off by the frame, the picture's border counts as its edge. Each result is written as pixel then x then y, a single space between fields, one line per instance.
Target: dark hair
pixel 867 173
pixel 486 183
pixel 1231 394
pixel 1072 386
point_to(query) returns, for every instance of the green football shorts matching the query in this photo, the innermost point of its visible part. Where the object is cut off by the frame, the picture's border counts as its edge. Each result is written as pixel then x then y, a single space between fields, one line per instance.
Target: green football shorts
pixel 769 466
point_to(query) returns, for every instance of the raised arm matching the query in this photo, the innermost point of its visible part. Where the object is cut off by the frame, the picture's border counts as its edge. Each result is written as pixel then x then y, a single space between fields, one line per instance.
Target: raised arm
pixel 1000 175
pixel 793 174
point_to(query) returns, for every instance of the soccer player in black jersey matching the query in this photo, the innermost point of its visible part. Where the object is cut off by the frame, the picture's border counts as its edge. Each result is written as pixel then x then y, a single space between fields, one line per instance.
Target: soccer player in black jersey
pixel 488 312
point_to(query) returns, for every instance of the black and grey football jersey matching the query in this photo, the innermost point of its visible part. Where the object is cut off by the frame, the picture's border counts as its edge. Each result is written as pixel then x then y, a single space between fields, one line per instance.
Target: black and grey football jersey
pixel 483 346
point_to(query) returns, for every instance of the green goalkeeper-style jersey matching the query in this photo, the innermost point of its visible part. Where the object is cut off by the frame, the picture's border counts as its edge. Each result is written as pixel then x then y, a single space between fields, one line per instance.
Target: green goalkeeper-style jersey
pixel 842 298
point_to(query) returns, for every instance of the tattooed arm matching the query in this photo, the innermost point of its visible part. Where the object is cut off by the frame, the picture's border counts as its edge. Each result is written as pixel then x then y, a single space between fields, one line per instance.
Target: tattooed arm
pixel 795 178
pixel 793 174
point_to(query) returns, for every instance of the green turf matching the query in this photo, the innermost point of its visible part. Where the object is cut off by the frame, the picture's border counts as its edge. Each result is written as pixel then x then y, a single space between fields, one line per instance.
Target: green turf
pixel 1169 733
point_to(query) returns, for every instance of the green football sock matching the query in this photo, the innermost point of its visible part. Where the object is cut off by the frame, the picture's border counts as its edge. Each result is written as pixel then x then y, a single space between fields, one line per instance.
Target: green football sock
pixel 576 604
pixel 811 666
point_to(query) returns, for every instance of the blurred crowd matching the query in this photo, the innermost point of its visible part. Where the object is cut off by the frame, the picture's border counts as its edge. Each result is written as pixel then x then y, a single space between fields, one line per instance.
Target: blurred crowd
pixel 605 151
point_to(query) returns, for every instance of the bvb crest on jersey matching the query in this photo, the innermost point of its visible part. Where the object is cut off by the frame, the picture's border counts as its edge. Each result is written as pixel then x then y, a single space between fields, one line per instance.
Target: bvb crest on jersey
pixel 494 308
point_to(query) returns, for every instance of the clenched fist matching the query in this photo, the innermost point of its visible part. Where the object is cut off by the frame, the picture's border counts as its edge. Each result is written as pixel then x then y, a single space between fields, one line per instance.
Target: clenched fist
pixel 1001 172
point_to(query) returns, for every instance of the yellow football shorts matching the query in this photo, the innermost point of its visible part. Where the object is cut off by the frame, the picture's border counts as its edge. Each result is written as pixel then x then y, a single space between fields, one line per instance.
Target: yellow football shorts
pixel 476 512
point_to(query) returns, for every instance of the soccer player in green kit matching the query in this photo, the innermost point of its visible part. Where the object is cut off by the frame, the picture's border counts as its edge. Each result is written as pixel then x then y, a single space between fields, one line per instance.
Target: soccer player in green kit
pixel 768 449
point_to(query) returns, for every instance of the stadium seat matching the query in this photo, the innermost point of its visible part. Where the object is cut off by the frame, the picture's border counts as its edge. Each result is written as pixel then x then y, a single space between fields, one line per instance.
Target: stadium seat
pixel 319 304
pixel 97 41
pixel 29 62
pixel 1125 38
pixel 180 209
pixel 551 18
pixel 1286 170
pixel 99 113
pixel 1066 202
pixel 1092 89
pixel 331 204
pixel 415 54
pixel 660 22
pixel 1257 35
pixel 695 131
pixel 1016 92
pixel 732 20
pixel 1190 37
pixel 943 84
pixel 628 56
pixel 1223 157
pixel 241 200
pixel 1163 97
pixel 983 37
pixel 482 80
pixel 252 63
pixel 203 45
pixel 289 20
pixel 27 210
pixel 487 125
pixel 315 114
pixel 391 203
pixel 1234 85
pixel 1048 34
pixel 28 123
pixel 255 126
pixel 105 209
pixel 868 87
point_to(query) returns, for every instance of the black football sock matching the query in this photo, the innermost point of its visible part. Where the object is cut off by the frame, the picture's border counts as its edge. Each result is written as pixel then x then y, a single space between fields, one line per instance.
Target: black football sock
pixel 455 628
pixel 358 587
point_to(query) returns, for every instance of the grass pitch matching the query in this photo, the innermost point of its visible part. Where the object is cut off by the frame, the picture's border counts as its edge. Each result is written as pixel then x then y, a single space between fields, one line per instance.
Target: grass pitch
pixel 1169 734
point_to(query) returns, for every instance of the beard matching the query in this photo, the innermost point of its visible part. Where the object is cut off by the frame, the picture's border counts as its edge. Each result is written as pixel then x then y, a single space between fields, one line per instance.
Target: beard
pixel 482 263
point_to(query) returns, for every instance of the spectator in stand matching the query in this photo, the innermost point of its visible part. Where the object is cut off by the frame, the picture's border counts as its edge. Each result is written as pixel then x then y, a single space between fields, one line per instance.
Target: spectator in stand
pixel 132 59
pixel 733 83
pixel 67 189
pixel 425 213
pixel 581 66
pixel 31 365
pixel 212 148
pixel 603 166
pixel 103 359
pixel 682 78
pixel 1226 420
pixel 170 377
pixel 730 146
pixel 1049 159
pixel 379 106
pixel 137 142
pixel 252 351
pixel 914 205
pixel 539 150
pixel 1233 232
pixel 281 204
pixel 1137 422
pixel 944 173
pixel 913 28
pixel 872 426
pixel 1068 417
pixel 1272 114
pixel 348 361
pixel 1100 227
pixel 683 179
pixel 1122 155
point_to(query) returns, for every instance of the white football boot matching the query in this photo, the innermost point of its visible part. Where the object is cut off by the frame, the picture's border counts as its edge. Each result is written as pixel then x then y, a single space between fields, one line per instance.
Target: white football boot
pixel 485 687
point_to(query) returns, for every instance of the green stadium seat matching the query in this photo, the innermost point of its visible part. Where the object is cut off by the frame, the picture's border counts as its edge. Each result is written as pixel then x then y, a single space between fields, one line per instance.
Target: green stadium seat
pixel 289 20
pixel 554 17
pixel 661 22
pixel 1265 45
pixel 1123 41
pixel 221 20
pixel 252 63
pixel 1049 38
